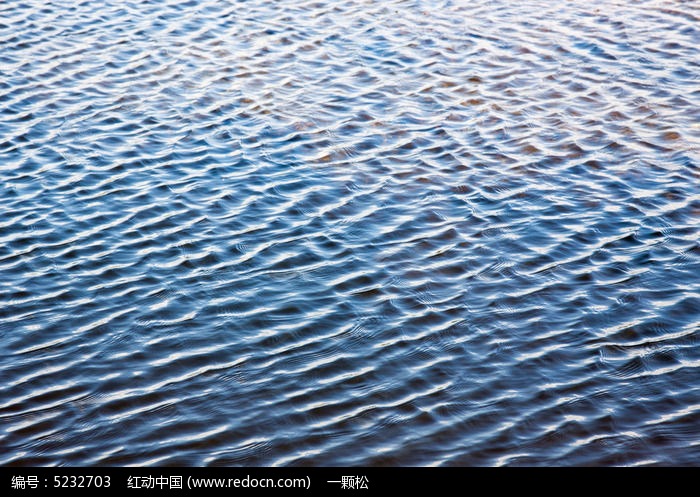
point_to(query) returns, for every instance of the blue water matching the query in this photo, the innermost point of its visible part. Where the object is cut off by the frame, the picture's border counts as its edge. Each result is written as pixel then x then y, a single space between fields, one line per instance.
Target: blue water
pixel 349 232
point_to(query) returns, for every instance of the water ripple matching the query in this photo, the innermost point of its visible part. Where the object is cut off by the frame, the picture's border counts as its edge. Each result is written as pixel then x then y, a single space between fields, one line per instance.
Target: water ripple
pixel 349 233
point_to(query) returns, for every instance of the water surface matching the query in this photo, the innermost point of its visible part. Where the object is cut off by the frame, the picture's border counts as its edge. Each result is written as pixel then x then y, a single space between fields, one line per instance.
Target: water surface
pixel 349 232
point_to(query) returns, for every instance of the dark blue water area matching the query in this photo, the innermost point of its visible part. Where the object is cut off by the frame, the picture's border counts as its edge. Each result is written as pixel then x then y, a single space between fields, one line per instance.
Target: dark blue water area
pixel 407 233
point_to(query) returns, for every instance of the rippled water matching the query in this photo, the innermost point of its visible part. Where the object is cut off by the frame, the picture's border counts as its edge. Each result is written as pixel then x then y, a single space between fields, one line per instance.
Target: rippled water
pixel 349 232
